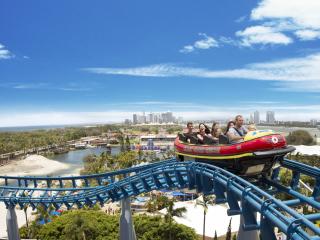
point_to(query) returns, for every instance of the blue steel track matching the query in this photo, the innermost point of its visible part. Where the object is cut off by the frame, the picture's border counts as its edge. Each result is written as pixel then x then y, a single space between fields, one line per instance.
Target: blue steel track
pixel 244 196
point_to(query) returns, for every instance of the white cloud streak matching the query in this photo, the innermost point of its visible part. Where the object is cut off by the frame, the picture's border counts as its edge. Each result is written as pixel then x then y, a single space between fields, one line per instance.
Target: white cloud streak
pixel 47 86
pixel 297 73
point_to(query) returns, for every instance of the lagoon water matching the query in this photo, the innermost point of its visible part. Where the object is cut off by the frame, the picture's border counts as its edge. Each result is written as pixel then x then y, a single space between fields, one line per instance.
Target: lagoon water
pixel 74 159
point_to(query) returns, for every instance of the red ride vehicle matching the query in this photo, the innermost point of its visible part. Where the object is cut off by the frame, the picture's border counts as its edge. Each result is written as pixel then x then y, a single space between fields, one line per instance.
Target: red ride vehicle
pixel 257 154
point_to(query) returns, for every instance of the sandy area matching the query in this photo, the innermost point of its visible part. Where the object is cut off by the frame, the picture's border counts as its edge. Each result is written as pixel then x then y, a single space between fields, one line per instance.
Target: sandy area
pixel 32 165
pixel 20 217
pixel 216 218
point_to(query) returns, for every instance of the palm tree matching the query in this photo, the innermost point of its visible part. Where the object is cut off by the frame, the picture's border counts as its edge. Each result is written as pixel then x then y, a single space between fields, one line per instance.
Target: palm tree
pixel 44 213
pixel 78 228
pixel 204 201
pixel 172 212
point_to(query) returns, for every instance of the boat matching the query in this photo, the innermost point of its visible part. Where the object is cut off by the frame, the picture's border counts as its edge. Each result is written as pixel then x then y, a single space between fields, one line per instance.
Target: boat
pixel 257 154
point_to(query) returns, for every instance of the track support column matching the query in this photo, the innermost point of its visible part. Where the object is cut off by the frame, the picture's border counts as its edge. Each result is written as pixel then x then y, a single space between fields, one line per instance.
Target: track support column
pixel 127 231
pixel 246 235
pixel 12 224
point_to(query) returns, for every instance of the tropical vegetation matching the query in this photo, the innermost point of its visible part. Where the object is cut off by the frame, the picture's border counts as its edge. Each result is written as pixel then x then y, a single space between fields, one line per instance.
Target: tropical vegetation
pixel 17 141
pixel 97 225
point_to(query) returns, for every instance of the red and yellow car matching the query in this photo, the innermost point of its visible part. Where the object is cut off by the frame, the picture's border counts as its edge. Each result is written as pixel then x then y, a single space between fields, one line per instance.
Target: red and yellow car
pixel 257 154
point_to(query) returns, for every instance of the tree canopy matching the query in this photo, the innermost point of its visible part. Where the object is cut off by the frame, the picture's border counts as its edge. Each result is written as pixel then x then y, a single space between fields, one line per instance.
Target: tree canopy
pixel 300 137
pixel 97 225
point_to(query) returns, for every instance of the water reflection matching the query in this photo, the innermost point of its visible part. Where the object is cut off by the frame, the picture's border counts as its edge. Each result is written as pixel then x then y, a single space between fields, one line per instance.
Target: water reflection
pixel 74 159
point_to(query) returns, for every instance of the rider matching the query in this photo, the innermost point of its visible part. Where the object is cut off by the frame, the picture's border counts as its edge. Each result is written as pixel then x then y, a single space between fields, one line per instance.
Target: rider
pixel 202 133
pixel 237 133
pixel 190 134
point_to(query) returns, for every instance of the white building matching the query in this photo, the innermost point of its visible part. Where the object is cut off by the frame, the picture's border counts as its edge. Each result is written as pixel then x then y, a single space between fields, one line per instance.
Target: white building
pixel 256 117
pixel 270 119
pixel 313 122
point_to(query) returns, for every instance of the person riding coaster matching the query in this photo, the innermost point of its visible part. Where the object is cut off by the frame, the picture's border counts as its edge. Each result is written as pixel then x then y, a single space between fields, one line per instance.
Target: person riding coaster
pixel 255 153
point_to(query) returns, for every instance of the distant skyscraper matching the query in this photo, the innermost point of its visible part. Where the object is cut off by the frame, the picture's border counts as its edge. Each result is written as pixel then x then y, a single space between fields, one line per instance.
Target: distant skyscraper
pixel 251 118
pixel 313 122
pixel 270 119
pixel 127 121
pixel 150 118
pixel 256 117
pixel 166 117
pixel 135 119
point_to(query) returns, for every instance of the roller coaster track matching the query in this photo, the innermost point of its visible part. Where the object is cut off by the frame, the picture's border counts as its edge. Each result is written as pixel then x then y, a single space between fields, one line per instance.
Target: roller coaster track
pixel 244 196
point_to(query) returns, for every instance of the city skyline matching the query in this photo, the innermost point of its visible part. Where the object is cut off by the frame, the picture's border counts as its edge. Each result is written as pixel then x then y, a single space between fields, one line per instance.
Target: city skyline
pixel 102 61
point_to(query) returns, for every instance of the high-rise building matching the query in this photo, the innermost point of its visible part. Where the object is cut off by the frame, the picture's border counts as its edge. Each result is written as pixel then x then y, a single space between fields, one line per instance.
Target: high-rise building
pixel 313 122
pixel 166 117
pixel 150 118
pixel 251 118
pixel 135 119
pixel 270 119
pixel 256 117
pixel 127 121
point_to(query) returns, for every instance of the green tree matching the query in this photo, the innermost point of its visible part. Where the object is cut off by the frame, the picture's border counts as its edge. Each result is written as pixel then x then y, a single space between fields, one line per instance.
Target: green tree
pixel 97 225
pixel 127 145
pixel 78 228
pixel 126 159
pixel 172 212
pixel 121 141
pixel 44 213
pixel 300 137
pixel 204 201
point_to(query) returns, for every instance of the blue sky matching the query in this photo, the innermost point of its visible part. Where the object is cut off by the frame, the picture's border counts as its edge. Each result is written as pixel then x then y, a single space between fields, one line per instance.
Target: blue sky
pixel 65 62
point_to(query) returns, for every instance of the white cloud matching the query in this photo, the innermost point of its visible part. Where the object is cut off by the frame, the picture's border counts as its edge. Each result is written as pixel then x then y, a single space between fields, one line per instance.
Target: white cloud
pixel 187 49
pixel 5 53
pixel 298 73
pixel 205 43
pixel 262 35
pixel 281 17
pixel 304 14
pixel 305 35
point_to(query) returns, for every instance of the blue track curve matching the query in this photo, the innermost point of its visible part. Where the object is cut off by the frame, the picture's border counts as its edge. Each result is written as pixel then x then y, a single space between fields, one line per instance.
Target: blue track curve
pixel 258 196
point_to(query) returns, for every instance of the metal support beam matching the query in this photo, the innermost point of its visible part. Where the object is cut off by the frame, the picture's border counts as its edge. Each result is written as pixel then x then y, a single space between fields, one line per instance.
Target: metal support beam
pixel 127 231
pixel 12 224
pixel 246 235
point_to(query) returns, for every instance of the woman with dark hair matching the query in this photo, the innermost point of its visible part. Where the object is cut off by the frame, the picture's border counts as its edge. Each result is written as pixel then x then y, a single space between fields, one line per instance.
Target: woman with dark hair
pixel 229 125
pixel 202 133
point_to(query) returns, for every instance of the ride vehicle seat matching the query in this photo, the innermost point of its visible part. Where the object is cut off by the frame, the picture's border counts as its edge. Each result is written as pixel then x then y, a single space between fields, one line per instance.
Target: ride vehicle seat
pixel 223 139
pixel 209 141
